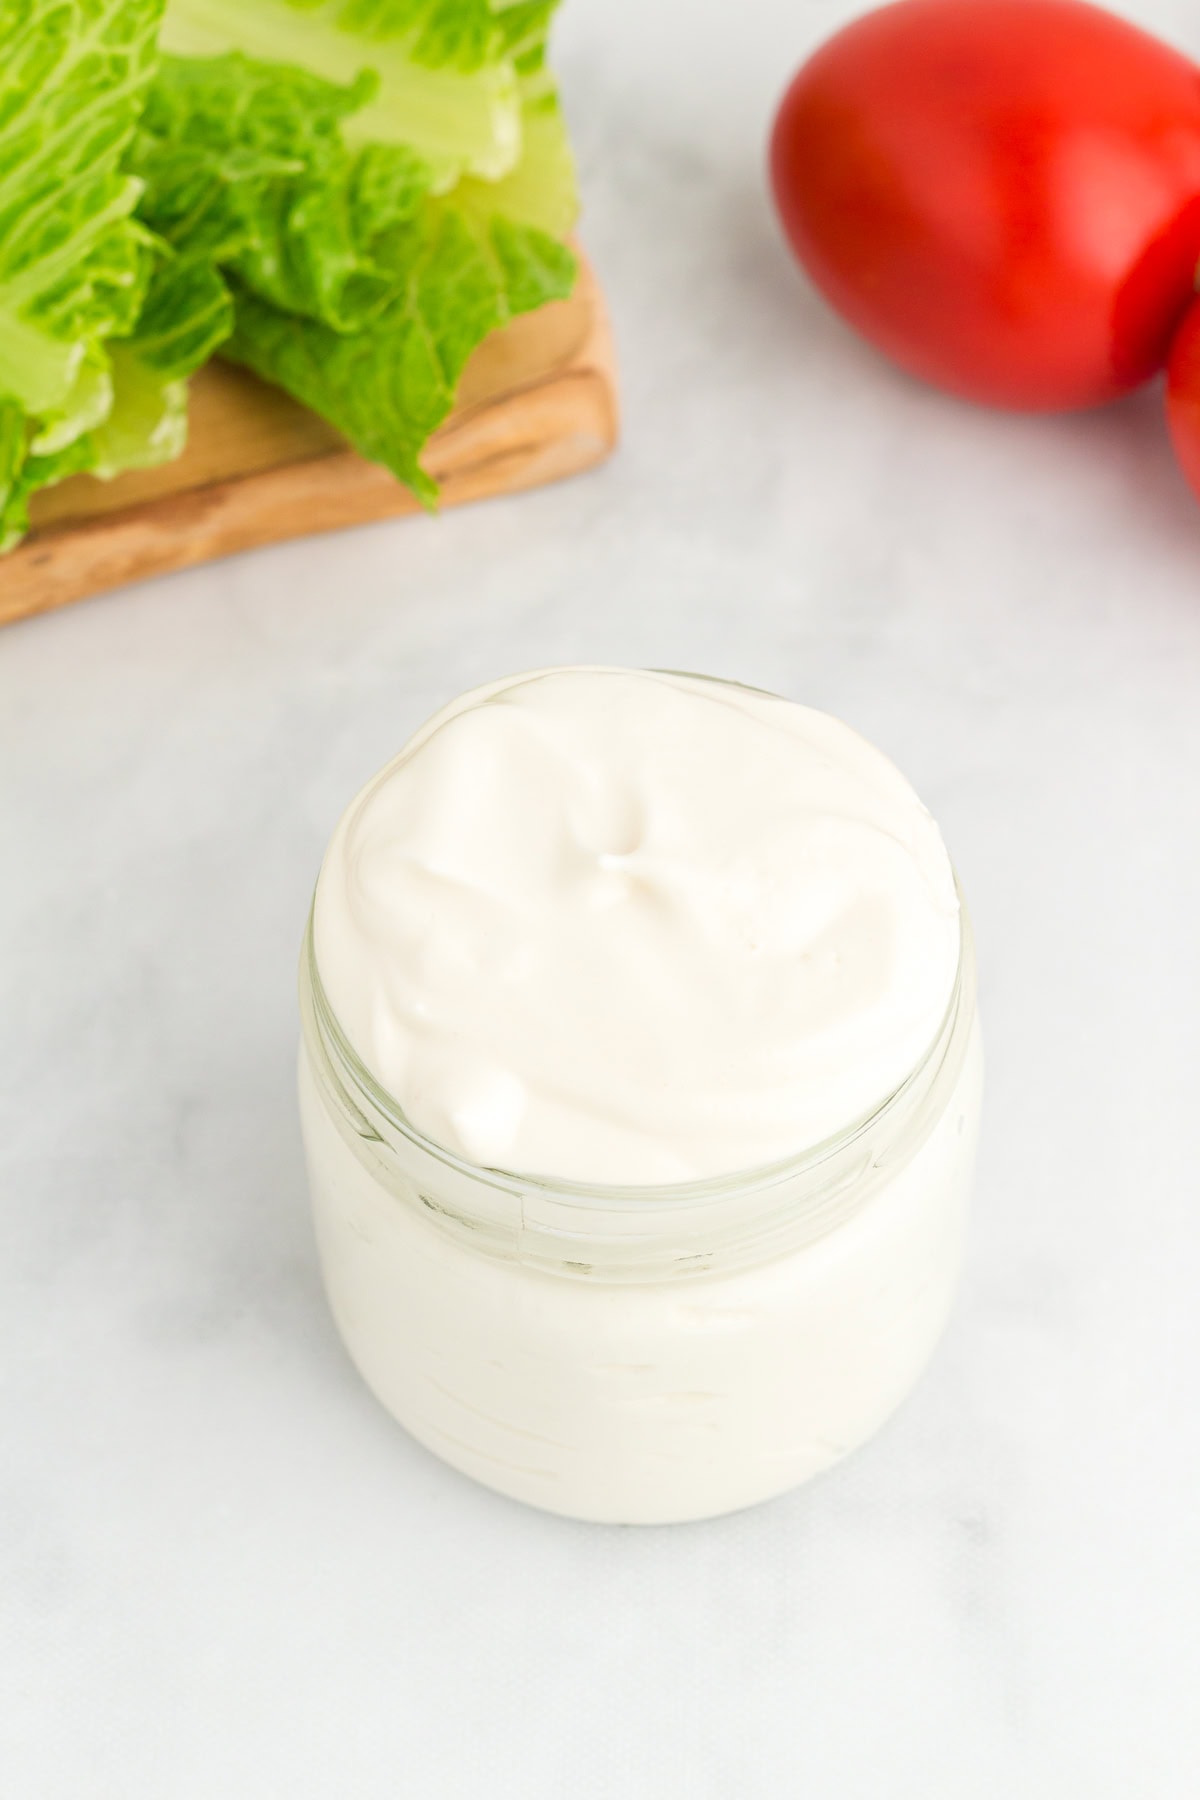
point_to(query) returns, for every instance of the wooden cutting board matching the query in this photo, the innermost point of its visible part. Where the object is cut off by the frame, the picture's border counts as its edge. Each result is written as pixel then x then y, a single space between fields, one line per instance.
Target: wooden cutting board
pixel 537 402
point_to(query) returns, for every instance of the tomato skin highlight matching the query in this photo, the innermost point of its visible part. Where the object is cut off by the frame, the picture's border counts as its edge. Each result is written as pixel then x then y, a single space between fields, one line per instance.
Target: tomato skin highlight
pixel 1183 396
pixel 1002 195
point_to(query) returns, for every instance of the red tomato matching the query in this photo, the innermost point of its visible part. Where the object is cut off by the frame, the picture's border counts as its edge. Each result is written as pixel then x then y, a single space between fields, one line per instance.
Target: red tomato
pixel 1183 395
pixel 1002 195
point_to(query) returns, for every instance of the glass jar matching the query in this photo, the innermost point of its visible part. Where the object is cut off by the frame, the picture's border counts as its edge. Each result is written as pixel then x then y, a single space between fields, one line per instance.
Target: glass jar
pixel 651 1354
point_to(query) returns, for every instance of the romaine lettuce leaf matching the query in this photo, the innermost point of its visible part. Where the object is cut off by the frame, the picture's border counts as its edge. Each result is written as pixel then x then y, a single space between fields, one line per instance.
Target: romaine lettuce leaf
pixel 13 454
pixel 388 387
pixel 245 168
pixel 71 82
pixel 453 75
pixel 540 189
pixel 187 313
pixel 73 263
pixel 142 423
pixel 23 470
pixel 147 421
pixel 354 287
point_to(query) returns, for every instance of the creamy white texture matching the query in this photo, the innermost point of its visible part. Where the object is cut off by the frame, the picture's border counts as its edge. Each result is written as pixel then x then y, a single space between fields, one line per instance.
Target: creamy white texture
pixel 646 1402
pixel 632 928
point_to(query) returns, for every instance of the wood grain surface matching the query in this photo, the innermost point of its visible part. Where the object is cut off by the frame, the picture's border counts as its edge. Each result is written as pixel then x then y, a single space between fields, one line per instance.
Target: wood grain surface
pixel 537 402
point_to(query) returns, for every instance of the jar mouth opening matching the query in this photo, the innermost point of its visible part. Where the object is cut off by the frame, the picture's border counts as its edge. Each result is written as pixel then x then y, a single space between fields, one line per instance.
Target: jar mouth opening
pixel 639 1197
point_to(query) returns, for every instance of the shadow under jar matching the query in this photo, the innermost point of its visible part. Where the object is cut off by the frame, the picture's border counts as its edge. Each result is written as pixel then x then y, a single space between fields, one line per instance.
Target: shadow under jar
pixel 642 1354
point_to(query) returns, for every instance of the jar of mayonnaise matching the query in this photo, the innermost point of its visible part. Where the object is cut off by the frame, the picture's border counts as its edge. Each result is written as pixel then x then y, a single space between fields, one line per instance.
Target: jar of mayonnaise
pixel 640 1077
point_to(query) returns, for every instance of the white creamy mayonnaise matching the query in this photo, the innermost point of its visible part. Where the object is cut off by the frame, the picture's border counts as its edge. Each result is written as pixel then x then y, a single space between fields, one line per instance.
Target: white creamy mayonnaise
pixel 627 927
pixel 639 1082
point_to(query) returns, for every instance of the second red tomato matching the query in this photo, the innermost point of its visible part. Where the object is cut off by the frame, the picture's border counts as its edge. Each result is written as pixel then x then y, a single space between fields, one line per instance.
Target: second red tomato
pixel 1002 195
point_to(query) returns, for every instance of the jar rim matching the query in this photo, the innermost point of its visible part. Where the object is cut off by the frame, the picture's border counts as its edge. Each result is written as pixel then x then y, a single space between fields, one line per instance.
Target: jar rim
pixel 615 1196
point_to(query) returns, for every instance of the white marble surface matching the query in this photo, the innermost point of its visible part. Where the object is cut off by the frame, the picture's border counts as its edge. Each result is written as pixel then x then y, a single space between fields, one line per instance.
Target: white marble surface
pixel 225 1575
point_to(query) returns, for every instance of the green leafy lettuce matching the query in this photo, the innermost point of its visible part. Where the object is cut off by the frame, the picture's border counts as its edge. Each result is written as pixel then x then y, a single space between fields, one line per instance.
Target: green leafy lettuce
pixel 464 83
pixel 354 282
pixel 389 386
pixel 345 195
pixel 75 264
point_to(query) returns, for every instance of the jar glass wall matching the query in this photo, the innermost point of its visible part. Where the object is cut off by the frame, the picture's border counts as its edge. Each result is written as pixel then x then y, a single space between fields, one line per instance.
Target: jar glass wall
pixel 642 1354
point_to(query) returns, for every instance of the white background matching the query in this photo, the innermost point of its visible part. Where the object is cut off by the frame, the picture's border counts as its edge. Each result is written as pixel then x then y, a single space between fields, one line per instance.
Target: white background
pixel 224 1574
